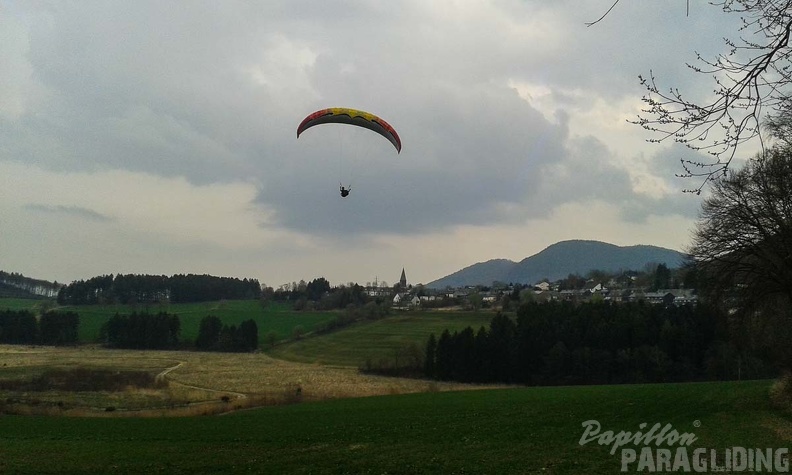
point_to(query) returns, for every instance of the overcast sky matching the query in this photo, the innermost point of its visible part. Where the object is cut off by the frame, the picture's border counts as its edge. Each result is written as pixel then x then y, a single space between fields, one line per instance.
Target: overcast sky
pixel 159 137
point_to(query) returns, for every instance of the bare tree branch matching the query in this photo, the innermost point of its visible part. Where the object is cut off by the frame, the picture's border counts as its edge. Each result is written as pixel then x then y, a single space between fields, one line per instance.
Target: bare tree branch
pixel 745 88
pixel 752 81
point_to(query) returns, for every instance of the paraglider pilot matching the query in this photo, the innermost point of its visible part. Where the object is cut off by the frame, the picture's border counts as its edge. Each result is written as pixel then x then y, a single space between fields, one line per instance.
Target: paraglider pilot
pixel 345 191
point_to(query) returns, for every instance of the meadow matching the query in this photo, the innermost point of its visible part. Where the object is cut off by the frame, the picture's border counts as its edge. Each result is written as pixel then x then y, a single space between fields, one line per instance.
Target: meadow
pixel 198 382
pixel 368 340
pixel 33 305
pixel 372 340
pixel 517 430
pixel 307 409
pixel 275 317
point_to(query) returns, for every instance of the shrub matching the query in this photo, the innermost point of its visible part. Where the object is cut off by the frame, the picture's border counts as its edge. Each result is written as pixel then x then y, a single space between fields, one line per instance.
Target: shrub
pixel 84 379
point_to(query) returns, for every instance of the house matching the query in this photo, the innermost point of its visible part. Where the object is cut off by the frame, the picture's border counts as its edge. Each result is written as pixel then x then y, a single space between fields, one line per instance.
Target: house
pixel 547 296
pixel 397 299
pixel 378 291
pixel 685 297
pixel 568 294
pixel 459 293
pixel 597 288
pixel 625 295
pixel 663 297
pixel 542 286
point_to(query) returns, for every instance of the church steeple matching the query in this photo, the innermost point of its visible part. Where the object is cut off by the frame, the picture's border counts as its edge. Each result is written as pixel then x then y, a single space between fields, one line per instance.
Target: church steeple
pixel 403 280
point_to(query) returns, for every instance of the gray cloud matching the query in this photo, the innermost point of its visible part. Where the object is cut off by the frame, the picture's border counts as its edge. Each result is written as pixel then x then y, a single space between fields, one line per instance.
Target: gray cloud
pixel 469 159
pixel 213 92
pixel 74 211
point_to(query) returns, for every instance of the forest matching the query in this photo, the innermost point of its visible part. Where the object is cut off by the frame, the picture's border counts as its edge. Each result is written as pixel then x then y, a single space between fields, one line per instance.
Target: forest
pixel 596 343
pixel 133 288
pixel 147 331
pixel 21 327
pixel 14 284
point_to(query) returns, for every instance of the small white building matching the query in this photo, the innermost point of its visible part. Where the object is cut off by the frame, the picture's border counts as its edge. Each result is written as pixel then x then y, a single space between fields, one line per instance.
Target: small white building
pixel 543 286
pixel 397 299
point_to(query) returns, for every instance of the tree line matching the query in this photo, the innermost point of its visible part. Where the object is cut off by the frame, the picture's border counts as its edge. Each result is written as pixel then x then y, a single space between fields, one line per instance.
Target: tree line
pixel 318 294
pixel 36 287
pixel 161 331
pixel 743 239
pixel 21 327
pixel 142 331
pixel 213 335
pixel 133 288
pixel 594 343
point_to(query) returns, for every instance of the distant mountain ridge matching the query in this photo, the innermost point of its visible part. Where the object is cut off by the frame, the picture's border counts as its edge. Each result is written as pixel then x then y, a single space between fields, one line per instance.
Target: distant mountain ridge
pixel 559 260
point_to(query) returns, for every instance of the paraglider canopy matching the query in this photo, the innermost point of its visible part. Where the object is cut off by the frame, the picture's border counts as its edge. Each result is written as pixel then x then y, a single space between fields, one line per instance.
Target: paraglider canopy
pixel 341 115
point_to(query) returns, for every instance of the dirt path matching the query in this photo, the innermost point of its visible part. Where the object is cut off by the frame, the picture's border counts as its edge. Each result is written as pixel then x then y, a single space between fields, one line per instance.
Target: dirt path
pixel 242 377
pixel 163 376
pixel 165 372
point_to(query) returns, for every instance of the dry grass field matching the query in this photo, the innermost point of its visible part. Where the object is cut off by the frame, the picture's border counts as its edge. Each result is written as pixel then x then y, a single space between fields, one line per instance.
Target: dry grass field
pixel 196 383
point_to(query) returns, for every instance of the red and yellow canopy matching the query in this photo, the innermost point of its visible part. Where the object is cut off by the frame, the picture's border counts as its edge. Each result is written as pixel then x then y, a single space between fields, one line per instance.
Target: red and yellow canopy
pixel 342 115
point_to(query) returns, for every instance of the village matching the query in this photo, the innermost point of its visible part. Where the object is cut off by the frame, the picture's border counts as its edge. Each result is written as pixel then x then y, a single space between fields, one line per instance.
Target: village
pixel 625 287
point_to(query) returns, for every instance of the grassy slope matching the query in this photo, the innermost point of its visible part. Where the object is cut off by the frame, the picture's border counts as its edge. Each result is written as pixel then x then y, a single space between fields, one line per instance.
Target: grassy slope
pixel 349 346
pixel 353 345
pixel 7 303
pixel 523 430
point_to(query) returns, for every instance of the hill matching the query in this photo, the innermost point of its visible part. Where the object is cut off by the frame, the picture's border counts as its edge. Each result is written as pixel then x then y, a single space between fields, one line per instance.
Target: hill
pixel 559 260
pixel 373 341
pixel 11 291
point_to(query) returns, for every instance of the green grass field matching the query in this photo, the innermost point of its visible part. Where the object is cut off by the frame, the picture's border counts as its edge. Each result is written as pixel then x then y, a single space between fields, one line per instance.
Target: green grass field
pixel 350 346
pixel 522 430
pixel 21 304
pixel 516 430
pixel 353 345
pixel 279 318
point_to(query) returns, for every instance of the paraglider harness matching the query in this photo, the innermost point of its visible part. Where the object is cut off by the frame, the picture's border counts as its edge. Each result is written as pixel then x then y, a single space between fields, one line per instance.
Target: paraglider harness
pixel 344 191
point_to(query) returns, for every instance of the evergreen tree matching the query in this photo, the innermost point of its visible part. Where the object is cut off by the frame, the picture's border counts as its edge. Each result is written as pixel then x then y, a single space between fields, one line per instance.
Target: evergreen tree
pixel 598 343
pixel 248 335
pixel 208 333
pixel 662 277
pixel 444 362
pixel 18 327
pixel 227 340
pixel 141 330
pixel 431 350
pixel 59 328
